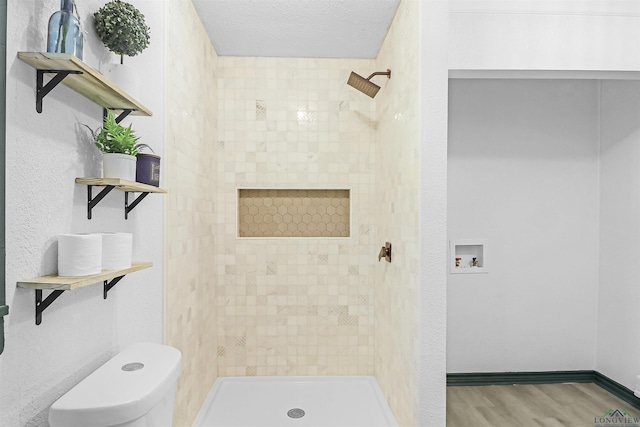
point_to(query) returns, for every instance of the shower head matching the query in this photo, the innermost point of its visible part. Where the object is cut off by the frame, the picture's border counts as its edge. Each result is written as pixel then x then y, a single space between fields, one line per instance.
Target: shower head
pixel 365 85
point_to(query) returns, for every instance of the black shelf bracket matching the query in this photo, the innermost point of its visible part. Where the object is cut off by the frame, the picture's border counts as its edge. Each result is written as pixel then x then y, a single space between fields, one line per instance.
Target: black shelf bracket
pixel 93 201
pixel 125 112
pixel 43 90
pixel 129 207
pixel 41 305
pixel 108 285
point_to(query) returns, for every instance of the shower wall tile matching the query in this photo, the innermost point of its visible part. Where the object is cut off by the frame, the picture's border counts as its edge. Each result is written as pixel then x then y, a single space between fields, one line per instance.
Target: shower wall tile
pixel 397 199
pixel 191 126
pixel 294 306
pixel 261 110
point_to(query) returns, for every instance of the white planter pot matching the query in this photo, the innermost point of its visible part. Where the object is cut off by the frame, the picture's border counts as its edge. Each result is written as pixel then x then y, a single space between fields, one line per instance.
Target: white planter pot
pixel 116 165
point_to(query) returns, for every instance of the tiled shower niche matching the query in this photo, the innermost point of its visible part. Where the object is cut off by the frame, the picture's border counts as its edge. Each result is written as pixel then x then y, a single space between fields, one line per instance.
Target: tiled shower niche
pixel 293 213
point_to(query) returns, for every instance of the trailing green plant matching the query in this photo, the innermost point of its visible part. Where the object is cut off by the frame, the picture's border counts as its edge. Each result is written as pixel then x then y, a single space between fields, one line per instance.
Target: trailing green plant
pixel 112 137
pixel 122 28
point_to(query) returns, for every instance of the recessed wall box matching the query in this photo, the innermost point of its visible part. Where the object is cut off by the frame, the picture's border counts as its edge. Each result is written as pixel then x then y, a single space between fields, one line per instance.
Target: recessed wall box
pixel 467 256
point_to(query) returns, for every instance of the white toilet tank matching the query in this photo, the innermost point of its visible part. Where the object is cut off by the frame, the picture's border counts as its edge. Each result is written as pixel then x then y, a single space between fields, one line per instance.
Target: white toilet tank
pixel 136 388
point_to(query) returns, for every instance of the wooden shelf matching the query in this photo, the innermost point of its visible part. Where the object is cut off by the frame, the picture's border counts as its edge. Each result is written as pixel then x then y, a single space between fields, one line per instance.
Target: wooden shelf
pixel 84 80
pixel 121 184
pixel 118 184
pixel 61 283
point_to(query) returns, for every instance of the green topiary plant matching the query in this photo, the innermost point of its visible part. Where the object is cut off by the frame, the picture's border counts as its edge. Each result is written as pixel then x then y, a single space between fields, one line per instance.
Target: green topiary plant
pixel 122 28
pixel 115 138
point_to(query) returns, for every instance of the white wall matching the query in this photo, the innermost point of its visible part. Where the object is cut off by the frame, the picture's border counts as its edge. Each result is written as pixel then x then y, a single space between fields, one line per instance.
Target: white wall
pixel 433 27
pixel 545 35
pixel 45 153
pixel 523 174
pixel 618 332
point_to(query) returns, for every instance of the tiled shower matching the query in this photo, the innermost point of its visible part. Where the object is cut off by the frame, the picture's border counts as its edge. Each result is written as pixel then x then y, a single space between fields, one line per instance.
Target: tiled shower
pixel 294 306
pixel 285 305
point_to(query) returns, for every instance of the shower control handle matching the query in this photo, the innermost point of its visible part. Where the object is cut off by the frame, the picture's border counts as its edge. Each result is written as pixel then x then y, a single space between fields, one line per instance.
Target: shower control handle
pixel 385 252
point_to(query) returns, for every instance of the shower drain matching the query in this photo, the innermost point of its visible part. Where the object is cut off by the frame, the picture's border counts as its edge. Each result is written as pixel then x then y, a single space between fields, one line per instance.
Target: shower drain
pixel 295 413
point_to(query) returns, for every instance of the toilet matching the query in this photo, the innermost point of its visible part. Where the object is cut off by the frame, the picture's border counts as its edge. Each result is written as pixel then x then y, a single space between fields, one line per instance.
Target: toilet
pixel 136 388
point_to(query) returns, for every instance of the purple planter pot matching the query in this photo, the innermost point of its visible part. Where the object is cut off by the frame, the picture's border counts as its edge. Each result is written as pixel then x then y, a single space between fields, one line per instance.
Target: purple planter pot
pixel 148 169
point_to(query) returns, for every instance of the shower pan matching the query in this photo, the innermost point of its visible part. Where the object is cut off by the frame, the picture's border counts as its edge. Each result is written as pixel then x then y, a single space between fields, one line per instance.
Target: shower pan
pixel 354 401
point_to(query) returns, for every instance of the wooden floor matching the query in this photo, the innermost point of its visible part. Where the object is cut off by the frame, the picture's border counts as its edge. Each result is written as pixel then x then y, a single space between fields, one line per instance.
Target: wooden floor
pixel 530 405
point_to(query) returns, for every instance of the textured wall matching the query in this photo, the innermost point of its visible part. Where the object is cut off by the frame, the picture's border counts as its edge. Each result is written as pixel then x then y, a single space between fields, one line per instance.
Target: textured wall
pixel 294 306
pixel 433 28
pixel 396 196
pixel 45 153
pixel 190 171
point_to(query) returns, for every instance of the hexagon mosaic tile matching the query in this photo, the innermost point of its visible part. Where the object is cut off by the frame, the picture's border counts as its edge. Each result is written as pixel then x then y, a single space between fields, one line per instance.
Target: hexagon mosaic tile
pixel 293 213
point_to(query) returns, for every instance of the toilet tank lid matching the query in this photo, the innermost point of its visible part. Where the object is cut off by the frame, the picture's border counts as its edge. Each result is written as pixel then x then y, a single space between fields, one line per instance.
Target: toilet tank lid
pixel 123 389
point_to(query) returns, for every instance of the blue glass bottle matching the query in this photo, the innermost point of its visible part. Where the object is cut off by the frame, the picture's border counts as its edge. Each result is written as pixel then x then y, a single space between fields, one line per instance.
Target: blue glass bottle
pixel 65 35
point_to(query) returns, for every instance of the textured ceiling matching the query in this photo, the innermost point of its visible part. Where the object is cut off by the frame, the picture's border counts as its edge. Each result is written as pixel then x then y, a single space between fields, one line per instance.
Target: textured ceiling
pixel 297 28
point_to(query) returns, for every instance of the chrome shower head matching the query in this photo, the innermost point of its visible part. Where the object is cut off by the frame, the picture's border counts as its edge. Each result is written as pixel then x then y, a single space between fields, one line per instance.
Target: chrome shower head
pixel 365 85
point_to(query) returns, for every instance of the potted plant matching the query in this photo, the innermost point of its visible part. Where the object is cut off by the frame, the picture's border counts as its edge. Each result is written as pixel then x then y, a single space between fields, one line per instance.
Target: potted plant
pixel 119 146
pixel 122 28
